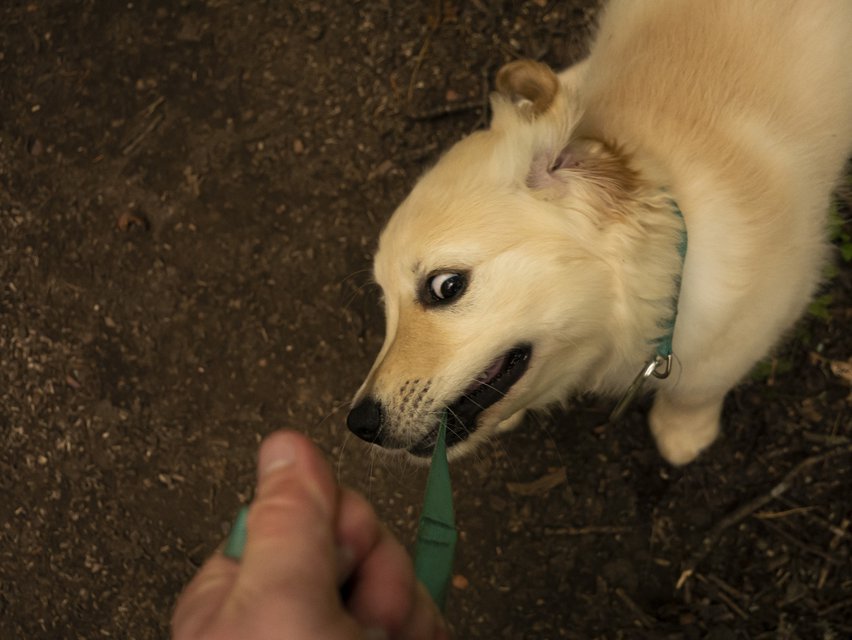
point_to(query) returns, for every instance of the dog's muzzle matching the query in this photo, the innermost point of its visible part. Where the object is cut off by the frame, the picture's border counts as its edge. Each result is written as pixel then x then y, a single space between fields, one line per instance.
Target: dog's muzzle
pixel 368 418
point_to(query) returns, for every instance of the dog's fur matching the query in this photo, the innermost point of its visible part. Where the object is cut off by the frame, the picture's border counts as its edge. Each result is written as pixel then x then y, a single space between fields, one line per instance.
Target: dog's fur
pixel 560 215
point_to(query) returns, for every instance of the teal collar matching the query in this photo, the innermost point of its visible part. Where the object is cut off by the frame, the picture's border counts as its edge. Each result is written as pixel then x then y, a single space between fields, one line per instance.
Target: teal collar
pixel 660 365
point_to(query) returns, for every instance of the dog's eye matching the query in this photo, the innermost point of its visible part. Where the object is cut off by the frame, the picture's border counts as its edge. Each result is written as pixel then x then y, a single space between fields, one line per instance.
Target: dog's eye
pixel 443 287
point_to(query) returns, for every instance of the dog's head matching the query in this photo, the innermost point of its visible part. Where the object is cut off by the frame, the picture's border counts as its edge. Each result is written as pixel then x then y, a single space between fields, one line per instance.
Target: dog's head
pixel 494 277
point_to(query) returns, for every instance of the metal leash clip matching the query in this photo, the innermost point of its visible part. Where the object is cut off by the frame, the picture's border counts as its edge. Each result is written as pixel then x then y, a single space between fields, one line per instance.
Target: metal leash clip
pixel 660 367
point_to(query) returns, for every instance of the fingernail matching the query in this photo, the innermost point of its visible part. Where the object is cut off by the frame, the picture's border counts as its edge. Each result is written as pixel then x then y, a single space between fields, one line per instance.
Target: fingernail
pixel 276 453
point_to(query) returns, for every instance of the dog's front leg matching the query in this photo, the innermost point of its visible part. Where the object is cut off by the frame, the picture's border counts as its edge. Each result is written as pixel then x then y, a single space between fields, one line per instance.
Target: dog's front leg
pixel 684 427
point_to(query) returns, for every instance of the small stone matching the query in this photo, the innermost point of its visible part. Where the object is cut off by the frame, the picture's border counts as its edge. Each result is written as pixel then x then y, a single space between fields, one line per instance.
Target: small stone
pixel 36 148
pixel 131 221
pixel 460 582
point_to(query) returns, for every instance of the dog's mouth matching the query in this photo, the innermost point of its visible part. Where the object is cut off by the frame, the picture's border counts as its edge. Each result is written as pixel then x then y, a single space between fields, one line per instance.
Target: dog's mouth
pixel 488 389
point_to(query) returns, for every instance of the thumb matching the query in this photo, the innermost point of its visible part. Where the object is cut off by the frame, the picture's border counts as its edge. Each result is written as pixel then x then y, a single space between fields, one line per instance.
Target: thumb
pixel 291 519
pixel 290 557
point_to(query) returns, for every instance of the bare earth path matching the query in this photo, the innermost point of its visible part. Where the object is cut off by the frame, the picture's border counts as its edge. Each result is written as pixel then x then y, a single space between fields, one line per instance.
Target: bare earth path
pixel 190 193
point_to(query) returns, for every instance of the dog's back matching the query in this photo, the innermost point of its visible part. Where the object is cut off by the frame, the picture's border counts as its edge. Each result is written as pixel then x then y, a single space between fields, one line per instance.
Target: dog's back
pixel 774 89
pixel 743 110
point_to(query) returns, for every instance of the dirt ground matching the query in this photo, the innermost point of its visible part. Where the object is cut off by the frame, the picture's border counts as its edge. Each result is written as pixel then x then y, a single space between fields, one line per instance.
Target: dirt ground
pixel 190 193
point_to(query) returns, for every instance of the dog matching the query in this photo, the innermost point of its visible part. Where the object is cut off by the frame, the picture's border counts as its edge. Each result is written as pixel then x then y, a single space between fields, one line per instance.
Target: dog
pixel 657 211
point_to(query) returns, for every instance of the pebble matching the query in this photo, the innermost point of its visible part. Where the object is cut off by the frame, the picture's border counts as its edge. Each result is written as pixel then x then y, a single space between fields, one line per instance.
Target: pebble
pixel 460 582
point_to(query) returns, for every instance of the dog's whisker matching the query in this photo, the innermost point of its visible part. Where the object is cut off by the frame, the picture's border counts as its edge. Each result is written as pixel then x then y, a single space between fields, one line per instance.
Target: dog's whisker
pixel 497 445
pixel 370 468
pixel 359 291
pixel 339 469
pixel 359 288
pixel 457 419
pixel 473 402
pixel 334 409
pixel 486 385
pixel 340 405
pixel 359 272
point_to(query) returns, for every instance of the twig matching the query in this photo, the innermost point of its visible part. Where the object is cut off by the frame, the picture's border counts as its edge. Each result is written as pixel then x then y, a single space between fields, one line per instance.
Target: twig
pixel 421 55
pixel 409 95
pixel 832 546
pixel 154 120
pixel 586 531
pixel 805 546
pixel 739 595
pixel 644 619
pixel 824 438
pixel 447 110
pixel 772 515
pixel 744 511
pixel 842 604
pixel 733 606
pixel 719 592
pixel 480 104
pixel 833 528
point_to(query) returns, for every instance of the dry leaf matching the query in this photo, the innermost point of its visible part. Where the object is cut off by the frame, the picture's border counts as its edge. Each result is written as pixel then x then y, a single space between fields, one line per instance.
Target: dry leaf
pixel 540 486
pixel 842 369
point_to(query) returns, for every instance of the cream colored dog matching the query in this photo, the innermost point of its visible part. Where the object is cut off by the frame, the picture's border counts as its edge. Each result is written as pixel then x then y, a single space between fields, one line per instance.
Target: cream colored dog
pixel 540 258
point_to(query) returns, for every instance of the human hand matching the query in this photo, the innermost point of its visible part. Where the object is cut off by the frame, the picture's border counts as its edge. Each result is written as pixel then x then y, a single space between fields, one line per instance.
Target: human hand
pixel 307 538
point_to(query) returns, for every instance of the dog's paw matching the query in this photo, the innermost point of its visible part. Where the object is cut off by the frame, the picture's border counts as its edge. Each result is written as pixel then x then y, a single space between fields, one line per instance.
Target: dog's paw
pixel 683 432
pixel 511 422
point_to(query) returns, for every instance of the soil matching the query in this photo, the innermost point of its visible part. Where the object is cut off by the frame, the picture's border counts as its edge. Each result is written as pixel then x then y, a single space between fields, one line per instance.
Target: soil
pixel 190 194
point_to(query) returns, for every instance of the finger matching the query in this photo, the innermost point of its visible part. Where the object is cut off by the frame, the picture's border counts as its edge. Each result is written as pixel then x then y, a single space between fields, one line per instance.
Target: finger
pixel 203 597
pixel 384 593
pixel 382 588
pixel 425 621
pixel 357 531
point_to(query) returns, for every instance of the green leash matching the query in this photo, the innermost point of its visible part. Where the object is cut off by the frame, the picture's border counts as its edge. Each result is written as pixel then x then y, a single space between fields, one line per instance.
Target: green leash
pixel 236 541
pixel 437 535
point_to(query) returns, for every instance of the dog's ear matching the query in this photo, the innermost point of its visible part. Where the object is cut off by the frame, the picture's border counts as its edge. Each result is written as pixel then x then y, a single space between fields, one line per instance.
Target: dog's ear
pixel 588 165
pixel 590 157
pixel 531 86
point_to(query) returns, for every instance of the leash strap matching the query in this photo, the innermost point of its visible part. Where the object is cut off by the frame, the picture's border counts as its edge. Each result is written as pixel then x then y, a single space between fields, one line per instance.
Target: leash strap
pixel 437 535
pixel 236 542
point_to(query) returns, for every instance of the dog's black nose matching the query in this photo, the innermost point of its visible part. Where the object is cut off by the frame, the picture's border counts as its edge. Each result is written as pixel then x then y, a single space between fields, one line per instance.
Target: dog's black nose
pixel 365 420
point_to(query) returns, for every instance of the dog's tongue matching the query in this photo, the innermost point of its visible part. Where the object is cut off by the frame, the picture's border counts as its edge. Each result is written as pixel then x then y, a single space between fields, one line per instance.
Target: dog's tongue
pixel 489 374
